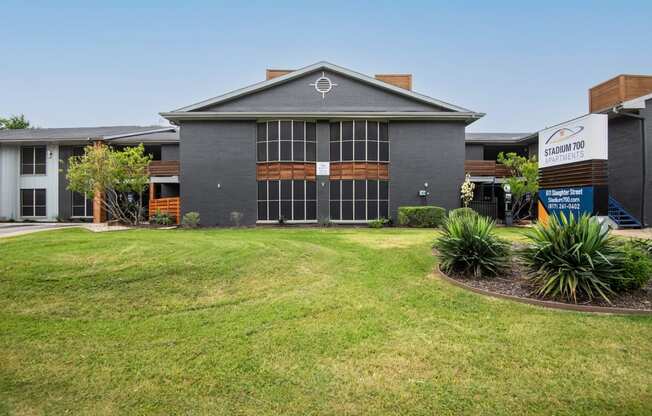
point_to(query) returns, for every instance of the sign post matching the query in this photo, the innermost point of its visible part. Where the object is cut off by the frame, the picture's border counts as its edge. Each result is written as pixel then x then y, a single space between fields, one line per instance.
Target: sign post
pixel 573 168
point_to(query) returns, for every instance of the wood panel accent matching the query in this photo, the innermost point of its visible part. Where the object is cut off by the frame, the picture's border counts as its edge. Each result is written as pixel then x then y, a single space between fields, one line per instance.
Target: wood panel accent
pixel 359 170
pixel 618 89
pixel 285 170
pixel 485 168
pixel 274 73
pixel 586 173
pixel 164 168
pixel 170 206
pixel 399 80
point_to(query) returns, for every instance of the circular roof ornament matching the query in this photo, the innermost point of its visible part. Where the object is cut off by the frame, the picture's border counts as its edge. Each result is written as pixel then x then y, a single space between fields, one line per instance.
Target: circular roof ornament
pixel 323 85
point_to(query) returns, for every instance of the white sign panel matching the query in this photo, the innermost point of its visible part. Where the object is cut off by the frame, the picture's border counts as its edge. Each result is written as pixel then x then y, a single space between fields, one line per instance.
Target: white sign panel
pixel 583 138
pixel 323 168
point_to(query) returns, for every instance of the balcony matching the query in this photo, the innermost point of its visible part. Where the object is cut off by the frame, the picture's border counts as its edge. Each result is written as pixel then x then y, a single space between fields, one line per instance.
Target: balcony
pixel 163 168
pixel 485 168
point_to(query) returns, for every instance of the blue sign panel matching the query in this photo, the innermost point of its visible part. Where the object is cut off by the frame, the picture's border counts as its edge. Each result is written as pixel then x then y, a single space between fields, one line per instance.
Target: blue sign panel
pixel 577 200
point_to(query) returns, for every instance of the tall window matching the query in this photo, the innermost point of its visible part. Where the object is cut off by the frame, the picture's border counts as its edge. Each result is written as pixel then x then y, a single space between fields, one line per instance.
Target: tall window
pixel 32 203
pixel 292 200
pixel 360 141
pixel 32 160
pixel 287 141
pixel 359 200
pixel 81 205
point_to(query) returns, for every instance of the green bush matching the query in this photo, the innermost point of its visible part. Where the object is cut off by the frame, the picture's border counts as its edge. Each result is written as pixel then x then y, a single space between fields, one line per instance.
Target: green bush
pixel 421 217
pixel 571 257
pixel 469 245
pixel 636 268
pixel 161 218
pixel 190 220
pixel 461 211
pixel 379 223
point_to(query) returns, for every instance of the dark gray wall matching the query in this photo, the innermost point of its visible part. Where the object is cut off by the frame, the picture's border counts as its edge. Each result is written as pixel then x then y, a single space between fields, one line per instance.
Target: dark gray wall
pixel 224 153
pixel 348 95
pixel 474 151
pixel 65 196
pixel 647 113
pixel 323 183
pixel 625 163
pixel 170 151
pixel 422 152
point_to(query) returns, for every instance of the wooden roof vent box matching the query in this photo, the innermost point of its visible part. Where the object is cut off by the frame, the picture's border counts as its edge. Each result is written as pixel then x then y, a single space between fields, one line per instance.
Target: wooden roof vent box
pixel 398 80
pixel 621 88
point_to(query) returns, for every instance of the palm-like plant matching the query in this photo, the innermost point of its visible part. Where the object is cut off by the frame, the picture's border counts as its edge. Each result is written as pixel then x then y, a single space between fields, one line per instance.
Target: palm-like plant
pixel 469 245
pixel 571 257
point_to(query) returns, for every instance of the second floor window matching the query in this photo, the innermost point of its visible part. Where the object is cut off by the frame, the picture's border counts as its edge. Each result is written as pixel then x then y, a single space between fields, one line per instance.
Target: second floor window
pixel 360 141
pixel 286 141
pixel 32 160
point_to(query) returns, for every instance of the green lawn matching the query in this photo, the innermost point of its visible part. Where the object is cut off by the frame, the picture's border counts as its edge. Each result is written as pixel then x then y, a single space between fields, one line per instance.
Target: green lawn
pixel 291 321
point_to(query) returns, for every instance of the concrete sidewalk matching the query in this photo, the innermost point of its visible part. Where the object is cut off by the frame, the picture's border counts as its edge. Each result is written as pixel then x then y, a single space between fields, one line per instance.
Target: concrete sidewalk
pixel 12 229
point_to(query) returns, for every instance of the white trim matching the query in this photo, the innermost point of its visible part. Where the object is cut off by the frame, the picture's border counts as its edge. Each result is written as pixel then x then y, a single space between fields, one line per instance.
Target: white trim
pixel 637 103
pixel 287 222
pixel 322 65
pixel 139 133
pixel 164 179
pixel 325 115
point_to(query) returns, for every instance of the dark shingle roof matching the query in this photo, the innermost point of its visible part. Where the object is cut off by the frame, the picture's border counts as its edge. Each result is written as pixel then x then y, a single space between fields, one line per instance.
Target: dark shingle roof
pixel 78 133
pixel 498 138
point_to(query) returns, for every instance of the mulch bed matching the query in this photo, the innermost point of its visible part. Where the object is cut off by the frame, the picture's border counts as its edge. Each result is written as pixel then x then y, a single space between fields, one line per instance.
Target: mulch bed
pixel 516 283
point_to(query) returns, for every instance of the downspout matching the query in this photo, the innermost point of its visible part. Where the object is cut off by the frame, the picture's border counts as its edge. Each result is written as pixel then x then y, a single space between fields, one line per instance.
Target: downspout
pixel 616 110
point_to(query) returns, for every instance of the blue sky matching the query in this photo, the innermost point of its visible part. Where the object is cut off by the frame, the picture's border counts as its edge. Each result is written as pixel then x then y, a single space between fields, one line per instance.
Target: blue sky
pixel 526 64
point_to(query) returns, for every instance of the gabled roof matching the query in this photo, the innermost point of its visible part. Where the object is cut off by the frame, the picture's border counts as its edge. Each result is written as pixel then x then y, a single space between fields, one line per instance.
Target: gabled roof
pixel 322 65
pixel 135 133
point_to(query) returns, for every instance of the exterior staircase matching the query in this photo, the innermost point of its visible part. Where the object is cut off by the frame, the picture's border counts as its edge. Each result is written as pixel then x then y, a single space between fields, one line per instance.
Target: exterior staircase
pixel 620 216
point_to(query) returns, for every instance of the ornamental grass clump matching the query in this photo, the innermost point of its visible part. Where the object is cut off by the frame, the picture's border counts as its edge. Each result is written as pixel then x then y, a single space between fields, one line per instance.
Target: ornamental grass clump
pixel 571 258
pixel 469 245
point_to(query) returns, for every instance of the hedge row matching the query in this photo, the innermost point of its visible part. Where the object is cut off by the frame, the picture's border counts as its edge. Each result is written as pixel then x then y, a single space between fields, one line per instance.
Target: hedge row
pixel 421 217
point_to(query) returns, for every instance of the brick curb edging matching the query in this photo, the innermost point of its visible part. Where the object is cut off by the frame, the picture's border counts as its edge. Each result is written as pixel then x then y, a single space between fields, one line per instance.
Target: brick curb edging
pixel 545 303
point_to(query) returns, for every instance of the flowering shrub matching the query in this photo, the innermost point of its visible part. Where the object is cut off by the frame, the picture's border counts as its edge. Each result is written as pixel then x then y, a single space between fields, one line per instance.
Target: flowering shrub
pixel 466 190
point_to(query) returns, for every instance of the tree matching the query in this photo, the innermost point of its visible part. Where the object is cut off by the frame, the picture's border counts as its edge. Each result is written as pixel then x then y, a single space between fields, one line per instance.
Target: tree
pixel 120 176
pixel 524 182
pixel 14 122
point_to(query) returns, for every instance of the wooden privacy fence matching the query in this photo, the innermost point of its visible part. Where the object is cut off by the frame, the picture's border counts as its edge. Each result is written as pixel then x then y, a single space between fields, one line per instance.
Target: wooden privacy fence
pixel 485 168
pixel 170 206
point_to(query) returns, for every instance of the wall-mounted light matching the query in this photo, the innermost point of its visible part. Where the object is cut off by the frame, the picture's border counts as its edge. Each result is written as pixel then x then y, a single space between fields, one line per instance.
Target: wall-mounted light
pixel 219 186
pixel 50 154
pixel 425 185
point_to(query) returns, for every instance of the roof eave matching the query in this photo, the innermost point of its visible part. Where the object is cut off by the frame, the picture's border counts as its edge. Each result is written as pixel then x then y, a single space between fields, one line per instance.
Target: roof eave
pixel 174 116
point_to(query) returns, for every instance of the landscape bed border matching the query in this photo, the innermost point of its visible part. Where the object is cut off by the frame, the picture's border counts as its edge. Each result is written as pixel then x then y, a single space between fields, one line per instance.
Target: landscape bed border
pixel 545 303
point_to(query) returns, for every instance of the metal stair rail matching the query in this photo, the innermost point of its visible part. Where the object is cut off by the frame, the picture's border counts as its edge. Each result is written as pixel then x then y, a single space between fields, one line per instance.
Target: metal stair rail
pixel 620 216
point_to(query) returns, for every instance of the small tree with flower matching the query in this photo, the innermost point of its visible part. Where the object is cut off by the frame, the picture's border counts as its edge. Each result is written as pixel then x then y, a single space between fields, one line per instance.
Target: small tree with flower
pixel 466 190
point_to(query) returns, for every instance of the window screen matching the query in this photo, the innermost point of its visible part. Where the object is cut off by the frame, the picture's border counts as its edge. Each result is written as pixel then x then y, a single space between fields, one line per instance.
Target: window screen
pixel 359 200
pixel 32 203
pixel 292 200
pixel 286 141
pixel 360 141
pixel 32 160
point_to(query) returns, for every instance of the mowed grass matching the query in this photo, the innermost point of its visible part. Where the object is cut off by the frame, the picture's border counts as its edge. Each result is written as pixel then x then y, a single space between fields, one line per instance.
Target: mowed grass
pixel 292 322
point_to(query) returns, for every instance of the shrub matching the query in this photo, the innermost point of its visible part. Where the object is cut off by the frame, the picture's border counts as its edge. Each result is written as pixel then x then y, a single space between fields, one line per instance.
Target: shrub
pixel 461 211
pixel 190 220
pixel 421 217
pixel 379 223
pixel 636 268
pixel 644 245
pixel 571 257
pixel 161 218
pixel 469 245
